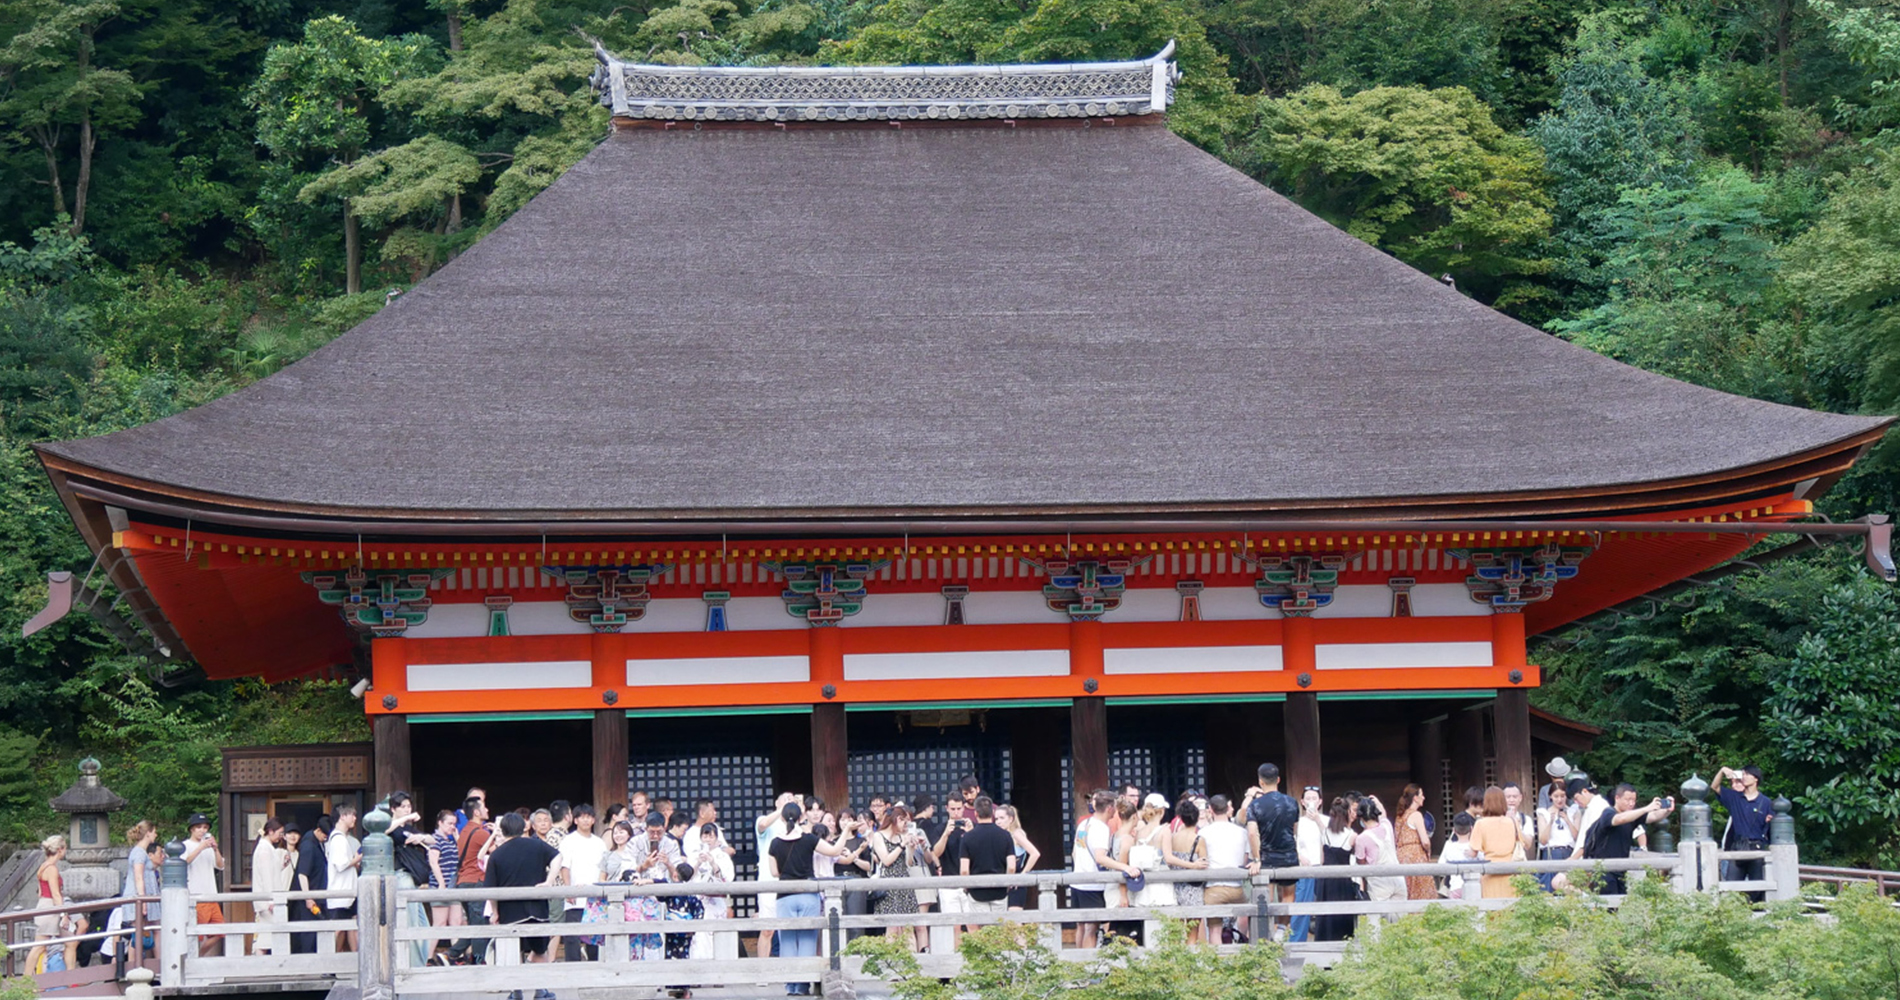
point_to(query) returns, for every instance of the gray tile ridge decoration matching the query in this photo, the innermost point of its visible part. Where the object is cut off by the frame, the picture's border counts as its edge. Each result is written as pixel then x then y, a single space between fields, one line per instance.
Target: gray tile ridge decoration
pixel 885 93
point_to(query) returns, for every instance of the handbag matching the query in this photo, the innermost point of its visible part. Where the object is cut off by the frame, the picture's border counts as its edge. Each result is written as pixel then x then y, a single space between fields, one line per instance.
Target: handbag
pixel 875 896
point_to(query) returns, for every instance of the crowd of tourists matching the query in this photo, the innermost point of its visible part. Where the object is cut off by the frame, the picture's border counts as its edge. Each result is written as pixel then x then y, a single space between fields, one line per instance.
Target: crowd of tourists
pixel 1124 835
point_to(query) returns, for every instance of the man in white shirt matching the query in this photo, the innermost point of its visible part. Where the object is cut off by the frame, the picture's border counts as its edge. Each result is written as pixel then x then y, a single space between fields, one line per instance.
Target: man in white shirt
pixel 203 862
pixel 1309 839
pixel 1583 792
pixel 345 855
pixel 1227 847
pixel 1094 852
pixel 579 862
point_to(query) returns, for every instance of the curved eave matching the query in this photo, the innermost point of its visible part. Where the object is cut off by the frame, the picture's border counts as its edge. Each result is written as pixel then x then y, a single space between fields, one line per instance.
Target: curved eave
pixel 1817 468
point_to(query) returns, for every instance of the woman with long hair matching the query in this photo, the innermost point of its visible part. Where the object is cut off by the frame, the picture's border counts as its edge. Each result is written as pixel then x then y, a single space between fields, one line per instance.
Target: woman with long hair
pixel 1494 837
pixel 1557 835
pixel 891 849
pixel 270 872
pixel 1412 841
pixel 1377 845
pixel 1187 851
pixel 1336 849
pixel 52 896
pixel 1026 853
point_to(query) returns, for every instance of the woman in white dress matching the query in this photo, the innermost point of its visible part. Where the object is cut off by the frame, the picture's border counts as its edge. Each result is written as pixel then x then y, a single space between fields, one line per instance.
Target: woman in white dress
pixel 270 872
pixel 1149 851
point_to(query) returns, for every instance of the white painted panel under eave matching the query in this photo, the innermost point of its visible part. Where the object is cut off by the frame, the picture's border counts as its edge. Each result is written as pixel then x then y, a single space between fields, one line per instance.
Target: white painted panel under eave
pixel 718 670
pixel 1371 655
pixel 529 676
pixel 1191 659
pixel 956 666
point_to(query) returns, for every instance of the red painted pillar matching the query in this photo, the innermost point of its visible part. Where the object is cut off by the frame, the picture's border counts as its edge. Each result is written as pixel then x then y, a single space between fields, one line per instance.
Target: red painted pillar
pixel 829 749
pixel 1511 715
pixel 1088 713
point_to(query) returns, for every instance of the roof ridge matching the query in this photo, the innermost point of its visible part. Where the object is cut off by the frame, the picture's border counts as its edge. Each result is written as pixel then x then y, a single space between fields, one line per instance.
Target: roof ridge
pixel 886 93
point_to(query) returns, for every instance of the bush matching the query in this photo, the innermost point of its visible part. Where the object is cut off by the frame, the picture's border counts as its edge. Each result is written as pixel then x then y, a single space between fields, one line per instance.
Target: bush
pixel 1657 944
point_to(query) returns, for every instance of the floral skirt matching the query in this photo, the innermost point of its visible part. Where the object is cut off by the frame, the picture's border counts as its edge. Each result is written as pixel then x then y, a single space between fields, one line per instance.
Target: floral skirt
pixel 635 909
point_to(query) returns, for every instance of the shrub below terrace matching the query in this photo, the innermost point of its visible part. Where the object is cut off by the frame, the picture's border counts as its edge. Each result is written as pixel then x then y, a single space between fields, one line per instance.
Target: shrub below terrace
pixel 1657 945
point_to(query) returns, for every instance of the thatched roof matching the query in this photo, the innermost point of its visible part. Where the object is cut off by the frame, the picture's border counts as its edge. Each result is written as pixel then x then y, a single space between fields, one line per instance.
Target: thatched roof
pixel 766 322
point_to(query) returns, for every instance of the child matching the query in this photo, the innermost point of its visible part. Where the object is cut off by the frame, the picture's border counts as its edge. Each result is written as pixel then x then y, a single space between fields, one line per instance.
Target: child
pixel 682 907
pixel 712 863
pixel 1458 850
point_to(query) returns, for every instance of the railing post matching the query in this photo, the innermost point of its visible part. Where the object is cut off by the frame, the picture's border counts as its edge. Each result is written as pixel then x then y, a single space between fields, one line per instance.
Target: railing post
pixel 174 915
pixel 1048 895
pixel 1784 858
pixel 1700 871
pixel 140 984
pixel 1470 891
pixel 834 984
pixel 1262 929
pixel 376 910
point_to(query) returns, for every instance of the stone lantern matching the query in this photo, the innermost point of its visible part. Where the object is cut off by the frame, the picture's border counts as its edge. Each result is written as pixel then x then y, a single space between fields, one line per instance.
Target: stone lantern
pixel 88 803
pixel 89 849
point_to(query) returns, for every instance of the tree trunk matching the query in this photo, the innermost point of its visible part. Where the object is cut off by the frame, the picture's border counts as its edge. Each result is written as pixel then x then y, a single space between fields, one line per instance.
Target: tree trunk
pixel 1781 45
pixel 455 31
pixel 87 139
pixel 352 250
pixel 455 213
pixel 49 143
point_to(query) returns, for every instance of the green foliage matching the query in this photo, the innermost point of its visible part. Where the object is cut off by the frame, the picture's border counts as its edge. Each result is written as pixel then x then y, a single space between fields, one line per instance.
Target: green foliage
pixel 314 96
pixel 964 31
pixel 17 784
pixel 1832 717
pixel 1657 945
pixel 1013 962
pixel 1426 174
pixel 1688 273
pixel 1846 269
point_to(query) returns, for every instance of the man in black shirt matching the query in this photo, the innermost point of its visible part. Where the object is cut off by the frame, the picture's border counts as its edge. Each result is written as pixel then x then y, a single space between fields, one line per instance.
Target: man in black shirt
pixel 987 849
pixel 312 872
pixel 1615 831
pixel 522 861
pixel 1271 818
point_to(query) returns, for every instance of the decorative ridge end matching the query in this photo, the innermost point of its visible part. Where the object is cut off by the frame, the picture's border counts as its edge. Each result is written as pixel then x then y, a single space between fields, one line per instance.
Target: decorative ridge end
pixel 885 93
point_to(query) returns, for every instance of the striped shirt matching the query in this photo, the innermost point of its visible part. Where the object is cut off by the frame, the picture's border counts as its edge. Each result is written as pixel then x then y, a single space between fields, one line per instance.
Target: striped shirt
pixel 450 860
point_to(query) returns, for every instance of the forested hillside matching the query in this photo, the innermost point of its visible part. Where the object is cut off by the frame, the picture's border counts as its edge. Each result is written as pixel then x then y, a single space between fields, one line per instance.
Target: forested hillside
pixel 198 192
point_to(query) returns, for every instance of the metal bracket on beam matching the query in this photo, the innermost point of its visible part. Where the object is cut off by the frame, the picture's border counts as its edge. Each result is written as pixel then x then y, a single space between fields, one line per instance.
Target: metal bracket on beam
pixel 1880 547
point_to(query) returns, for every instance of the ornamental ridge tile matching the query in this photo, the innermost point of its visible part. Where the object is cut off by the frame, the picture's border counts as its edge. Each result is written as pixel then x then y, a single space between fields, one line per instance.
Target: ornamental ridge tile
pixel 885 93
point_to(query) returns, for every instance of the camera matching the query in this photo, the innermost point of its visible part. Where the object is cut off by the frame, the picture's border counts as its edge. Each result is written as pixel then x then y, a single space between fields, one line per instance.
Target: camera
pixel 1669 802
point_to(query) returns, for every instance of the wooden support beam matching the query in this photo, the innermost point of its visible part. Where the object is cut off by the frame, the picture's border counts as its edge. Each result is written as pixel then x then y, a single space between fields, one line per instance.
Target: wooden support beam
pixel 829 756
pixel 1035 763
pixel 1511 731
pixel 1465 736
pixel 791 754
pixel 393 771
pixel 1302 742
pixel 1088 747
pixel 1427 745
pixel 610 757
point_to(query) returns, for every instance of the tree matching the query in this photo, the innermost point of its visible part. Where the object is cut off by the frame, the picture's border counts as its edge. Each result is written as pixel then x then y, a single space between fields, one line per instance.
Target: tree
pixel 1689 273
pixel 1425 174
pixel 1845 270
pixel 49 83
pixel 1206 111
pixel 1831 715
pixel 314 101
pixel 1614 128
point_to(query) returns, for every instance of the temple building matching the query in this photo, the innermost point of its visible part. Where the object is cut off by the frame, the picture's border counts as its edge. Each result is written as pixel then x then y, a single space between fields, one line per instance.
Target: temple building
pixel 850 428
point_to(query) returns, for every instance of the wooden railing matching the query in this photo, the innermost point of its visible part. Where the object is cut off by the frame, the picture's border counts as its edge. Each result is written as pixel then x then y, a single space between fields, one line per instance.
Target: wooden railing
pixel 131 953
pixel 392 946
